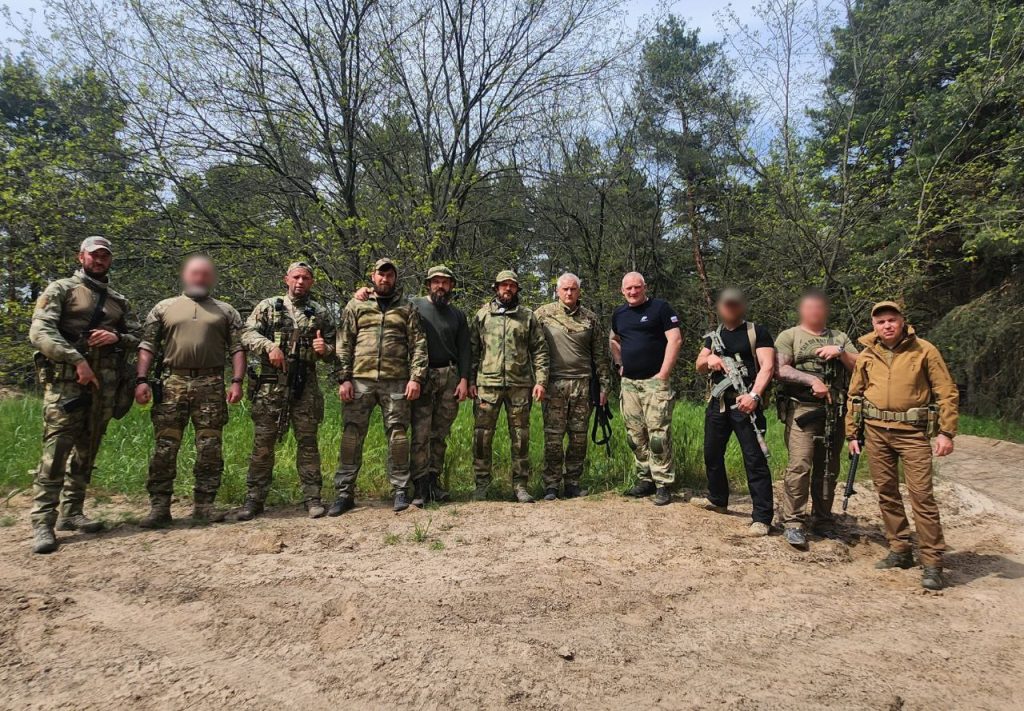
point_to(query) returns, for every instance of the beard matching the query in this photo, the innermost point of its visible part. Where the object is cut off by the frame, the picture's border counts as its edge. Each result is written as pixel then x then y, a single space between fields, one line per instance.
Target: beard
pixel 384 291
pixel 509 302
pixel 98 276
pixel 440 297
pixel 197 291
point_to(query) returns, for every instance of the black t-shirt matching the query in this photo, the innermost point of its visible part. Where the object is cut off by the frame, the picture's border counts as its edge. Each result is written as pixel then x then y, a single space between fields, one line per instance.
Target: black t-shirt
pixel 737 343
pixel 641 331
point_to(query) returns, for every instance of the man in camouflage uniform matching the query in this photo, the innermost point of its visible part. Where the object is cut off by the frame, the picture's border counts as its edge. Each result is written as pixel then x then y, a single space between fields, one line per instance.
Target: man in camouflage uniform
pixel 193 334
pixel 510 357
pixel 81 328
pixel 289 334
pixel 578 349
pixel 813 362
pixel 645 343
pixel 382 360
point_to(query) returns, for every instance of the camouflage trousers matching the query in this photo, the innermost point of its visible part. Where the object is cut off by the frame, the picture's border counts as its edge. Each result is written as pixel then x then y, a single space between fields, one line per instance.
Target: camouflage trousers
pixel 432 417
pixel 68 457
pixel 394 410
pixel 489 401
pixel 805 475
pixel 201 401
pixel 304 418
pixel 647 407
pixel 566 413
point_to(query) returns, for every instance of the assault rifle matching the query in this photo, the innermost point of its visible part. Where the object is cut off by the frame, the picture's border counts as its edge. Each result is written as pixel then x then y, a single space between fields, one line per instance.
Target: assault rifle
pixel 833 413
pixel 734 374
pixel 297 375
pixel 851 475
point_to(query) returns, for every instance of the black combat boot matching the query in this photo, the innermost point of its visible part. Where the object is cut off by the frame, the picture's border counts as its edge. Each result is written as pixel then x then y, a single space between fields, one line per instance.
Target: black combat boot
pixel 896 560
pixel 663 496
pixel 421 488
pixel 401 501
pixel 43 538
pixel 159 515
pixel 932 578
pixel 550 494
pixel 644 487
pixel 79 522
pixel 572 491
pixel 436 492
pixel 248 510
pixel 480 492
pixel 341 505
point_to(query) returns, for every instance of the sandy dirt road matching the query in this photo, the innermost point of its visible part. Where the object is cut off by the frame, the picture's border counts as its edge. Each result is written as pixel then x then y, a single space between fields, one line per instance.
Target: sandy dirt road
pixel 603 603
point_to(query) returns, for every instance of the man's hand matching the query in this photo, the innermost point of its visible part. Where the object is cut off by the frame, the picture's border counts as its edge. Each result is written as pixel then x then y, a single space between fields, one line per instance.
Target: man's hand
pixel 99 338
pixel 462 390
pixel 235 394
pixel 854 446
pixel 746 404
pixel 538 392
pixel 943 445
pixel 346 392
pixel 362 293
pixel 85 376
pixel 412 390
pixel 319 345
pixel 143 393
pixel 276 357
pixel 821 391
pixel 472 392
pixel 603 399
pixel 828 352
pixel 715 363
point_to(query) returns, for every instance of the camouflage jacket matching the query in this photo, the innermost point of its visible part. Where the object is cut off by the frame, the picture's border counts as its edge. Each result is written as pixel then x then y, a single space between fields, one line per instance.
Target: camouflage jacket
pixel 575 340
pixel 509 349
pixel 280 321
pixel 65 309
pixel 381 344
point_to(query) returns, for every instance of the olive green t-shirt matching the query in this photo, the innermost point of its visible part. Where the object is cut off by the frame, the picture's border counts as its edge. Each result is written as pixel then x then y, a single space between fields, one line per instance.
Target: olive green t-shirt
pixel 801 345
pixel 193 333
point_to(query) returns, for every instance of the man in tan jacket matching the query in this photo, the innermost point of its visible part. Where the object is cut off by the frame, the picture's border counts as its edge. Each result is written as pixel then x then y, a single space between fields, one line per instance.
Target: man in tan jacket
pixel 902 395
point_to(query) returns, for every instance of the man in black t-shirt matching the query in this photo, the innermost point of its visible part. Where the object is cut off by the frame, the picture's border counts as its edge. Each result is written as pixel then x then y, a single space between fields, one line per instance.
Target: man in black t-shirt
pixel 730 413
pixel 645 343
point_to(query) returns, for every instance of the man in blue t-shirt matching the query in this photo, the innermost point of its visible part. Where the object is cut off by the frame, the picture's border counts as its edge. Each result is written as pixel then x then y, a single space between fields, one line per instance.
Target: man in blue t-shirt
pixel 645 343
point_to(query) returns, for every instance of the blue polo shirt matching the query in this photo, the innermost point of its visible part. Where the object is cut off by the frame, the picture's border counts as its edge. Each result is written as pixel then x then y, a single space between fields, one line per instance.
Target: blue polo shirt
pixel 641 331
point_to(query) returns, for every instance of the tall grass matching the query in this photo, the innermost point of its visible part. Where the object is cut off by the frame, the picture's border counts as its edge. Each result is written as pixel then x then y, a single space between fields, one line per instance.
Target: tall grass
pixel 126 449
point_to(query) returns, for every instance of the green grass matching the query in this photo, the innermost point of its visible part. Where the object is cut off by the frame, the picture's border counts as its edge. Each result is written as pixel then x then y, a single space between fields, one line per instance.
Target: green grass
pixel 126 449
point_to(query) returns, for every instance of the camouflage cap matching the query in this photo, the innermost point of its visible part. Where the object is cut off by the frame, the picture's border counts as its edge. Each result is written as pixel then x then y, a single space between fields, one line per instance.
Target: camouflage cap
pixel 886 306
pixel 506 275
pixel 385 262
pixel 731 295
pixel 95 243
pixel 300 265
pixel 441 271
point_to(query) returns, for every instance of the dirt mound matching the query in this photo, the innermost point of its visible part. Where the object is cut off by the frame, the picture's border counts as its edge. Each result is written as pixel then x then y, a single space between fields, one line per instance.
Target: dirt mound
pixel 595 603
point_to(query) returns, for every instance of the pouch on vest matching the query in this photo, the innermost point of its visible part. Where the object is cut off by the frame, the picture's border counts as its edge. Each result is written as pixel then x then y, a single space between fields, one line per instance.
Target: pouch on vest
pixel 932 428
pixel 124 395
pixel 44 368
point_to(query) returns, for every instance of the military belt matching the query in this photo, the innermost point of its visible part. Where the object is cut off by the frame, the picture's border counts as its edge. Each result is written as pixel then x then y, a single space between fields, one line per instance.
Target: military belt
pixel 439 366
pixel 915 415
pixel 195 372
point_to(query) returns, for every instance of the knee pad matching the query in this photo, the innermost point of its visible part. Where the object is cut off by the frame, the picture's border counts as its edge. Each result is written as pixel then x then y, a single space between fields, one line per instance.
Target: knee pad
pixel 398 444
pixel 657 443
pixel 350 444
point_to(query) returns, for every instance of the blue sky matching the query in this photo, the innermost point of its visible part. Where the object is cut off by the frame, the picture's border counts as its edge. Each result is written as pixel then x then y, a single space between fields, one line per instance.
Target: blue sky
pixel 701 14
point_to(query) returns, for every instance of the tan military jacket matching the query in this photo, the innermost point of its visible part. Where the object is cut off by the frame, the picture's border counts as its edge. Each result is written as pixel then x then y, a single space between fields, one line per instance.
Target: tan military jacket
pixel 574 339
pixel 193 333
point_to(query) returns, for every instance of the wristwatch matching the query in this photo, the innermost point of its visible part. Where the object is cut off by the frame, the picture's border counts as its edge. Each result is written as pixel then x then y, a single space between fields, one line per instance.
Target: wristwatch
pixel 141 380
pixel 757 398
pixel 236 381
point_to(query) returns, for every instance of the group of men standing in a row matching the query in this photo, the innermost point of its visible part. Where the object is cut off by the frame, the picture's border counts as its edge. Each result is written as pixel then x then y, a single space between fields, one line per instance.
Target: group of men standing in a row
pixel 418 358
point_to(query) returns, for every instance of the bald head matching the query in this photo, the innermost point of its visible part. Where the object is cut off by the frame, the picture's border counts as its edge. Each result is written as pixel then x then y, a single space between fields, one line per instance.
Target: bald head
pixel 634 288
pixel 198 275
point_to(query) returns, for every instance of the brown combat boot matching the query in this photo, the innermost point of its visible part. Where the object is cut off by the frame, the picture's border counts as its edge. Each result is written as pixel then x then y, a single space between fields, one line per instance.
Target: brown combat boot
pixel 315 508
pixel 248 510
pixel 203 510
pixel 43 538
pixel 159 515
pixel 79 522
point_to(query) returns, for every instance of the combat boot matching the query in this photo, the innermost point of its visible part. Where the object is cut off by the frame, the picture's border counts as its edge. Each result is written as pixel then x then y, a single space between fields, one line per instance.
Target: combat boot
pixel 248 510
pixel 932 578
pixel 401 501
pixel 896 560
pixel 203 510
pixel 422 489
pixel 522 495
pixel 79 522
pixel 341 505
pixel 663 496
pixel 159 515
pixel 480 492
pixel 550 494
pixel 644 487
pixel 43 538
pixel 315 508
pixel 572 491
pixel 436 492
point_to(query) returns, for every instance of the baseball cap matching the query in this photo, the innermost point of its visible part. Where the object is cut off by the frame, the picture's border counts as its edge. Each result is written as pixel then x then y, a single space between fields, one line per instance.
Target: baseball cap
pixel 441 271
pixel 384 262
pixel 300 265
pixel 886 306
pixel 95 243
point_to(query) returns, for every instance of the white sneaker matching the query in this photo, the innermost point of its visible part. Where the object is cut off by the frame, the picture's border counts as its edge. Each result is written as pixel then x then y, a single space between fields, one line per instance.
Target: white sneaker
pixel 758 529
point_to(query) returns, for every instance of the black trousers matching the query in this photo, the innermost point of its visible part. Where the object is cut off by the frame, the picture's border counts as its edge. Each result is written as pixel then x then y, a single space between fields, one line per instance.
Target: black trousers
pixel 718 426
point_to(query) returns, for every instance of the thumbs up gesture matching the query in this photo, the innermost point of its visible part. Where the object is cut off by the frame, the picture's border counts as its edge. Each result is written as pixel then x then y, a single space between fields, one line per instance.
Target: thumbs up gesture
pixel 319 344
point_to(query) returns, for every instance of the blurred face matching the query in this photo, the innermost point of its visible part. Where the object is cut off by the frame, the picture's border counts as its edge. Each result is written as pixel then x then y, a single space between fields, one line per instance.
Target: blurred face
pixel 813 313
pixel 731 311
pixel 568 292
pixel 384 280
pixel 97 263
pixel 299 282
pixel 888 326
pixel 507 291
pixel 440 288
pixel 199 277
pixel 634 290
